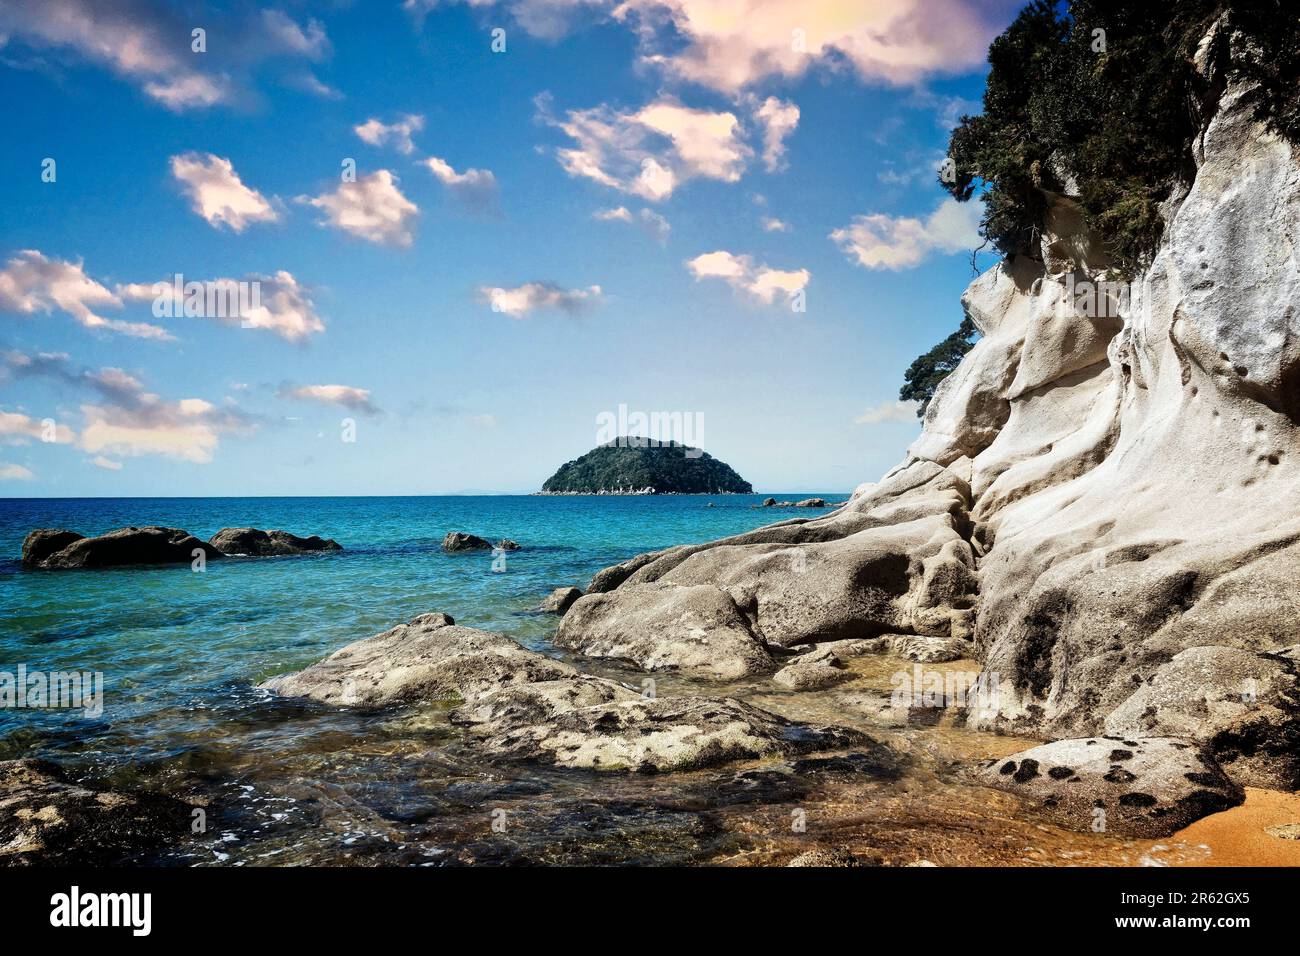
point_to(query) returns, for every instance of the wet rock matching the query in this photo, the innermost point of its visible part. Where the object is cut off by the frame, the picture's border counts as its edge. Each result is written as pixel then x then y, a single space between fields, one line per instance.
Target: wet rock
pixel 46 819
pixel 507 544
pixel 830 856
pixel 460 541
pixel 560 600
pixel 125 546
pixel 811 503
pixel 811 673
pixel 696 630
pixel 1162 785
pixel 664 734
pixel 258 543
pixel 769 502
pixel 428 660
pixel 520 705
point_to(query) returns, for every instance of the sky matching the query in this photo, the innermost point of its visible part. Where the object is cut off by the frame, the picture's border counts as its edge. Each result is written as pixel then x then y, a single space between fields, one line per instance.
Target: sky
pixel 468 231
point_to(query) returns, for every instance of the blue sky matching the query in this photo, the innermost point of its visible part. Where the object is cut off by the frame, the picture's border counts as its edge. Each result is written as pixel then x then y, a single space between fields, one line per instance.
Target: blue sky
pixel 655 205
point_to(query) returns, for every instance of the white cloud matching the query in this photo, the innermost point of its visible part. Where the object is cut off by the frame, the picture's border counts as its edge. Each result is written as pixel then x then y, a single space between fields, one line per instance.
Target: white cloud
pixel 217 193
pixel 375 133
pixel 652 151
pixel 357 399
pixel 476 188
pixel 17 429
pixel 31 283
pixel 772 224
pixel 519 301
pixel 652 224
pixel 741 273
pixel 778 119
pixel 733 44
pixel 278 303
pixel 887 242
pixel 372 208
pixel 108 464
pixel 10 472
pixel 126 420
pixel 149 44
pixel 617 214
pixel 888 412
pixel 311 42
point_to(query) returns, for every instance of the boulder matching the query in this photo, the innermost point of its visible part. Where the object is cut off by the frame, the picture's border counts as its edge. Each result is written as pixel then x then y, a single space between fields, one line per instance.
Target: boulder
pixel 255 542
pixel 430 659
pixel 47 819
pixel 560 600
pixel 1245 705
pixel 44 543
pixel 769 502
pixel 665 734
pixel 1142 786
pixel 460 541
pixel 125 546
pixel 811 503
pixel 506 544
pixel 811 672
pixel 696 630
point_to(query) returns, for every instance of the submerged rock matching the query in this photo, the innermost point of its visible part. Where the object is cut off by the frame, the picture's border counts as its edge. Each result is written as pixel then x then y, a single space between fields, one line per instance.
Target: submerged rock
pixel 48 820
pixel 50 549
pixel 811 672
pixel 1144 786
pixel 560 600
pixel 259 543
pixel 677 733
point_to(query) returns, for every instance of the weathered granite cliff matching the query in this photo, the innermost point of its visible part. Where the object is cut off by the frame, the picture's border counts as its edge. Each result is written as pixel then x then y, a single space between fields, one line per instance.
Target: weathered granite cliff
pixel 1104 501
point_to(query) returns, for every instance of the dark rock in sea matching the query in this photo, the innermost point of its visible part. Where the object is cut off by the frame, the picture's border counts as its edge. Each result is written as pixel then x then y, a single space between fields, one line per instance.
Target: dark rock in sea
pixel 632 465
pixel 460 541
pixel 811 503
pixel 560 600
pixel 125 546
pixel 1144 786
pixel 259 543
pixel 44 542
pixel 506 544
pixel 48 820
pixel 769 502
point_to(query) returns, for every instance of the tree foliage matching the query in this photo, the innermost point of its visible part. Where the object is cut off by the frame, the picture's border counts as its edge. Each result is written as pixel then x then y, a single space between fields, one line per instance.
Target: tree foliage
pixel 622 466
pixel 927 371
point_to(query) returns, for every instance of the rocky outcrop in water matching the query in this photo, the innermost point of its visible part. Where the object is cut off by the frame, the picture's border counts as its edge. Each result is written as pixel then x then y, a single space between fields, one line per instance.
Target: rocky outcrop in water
pixel 50 549
pixel 1103 504
pixel 462 541
pixel 522 706
pixel 560 600
pixel 255 542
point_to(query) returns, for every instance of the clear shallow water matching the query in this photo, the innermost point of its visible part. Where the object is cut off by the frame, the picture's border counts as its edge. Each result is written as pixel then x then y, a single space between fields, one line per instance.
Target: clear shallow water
pixel 168 637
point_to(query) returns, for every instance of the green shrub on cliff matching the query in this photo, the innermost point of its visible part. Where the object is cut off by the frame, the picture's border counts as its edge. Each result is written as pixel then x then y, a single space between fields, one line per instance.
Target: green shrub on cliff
pixel 927 371
pixel 1105 92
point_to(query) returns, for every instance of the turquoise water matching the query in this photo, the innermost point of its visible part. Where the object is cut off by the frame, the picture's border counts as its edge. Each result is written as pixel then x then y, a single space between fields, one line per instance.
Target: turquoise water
pixel 181 650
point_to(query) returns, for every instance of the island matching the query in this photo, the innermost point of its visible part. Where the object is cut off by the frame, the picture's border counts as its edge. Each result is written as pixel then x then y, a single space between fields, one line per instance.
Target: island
pixel 638 466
